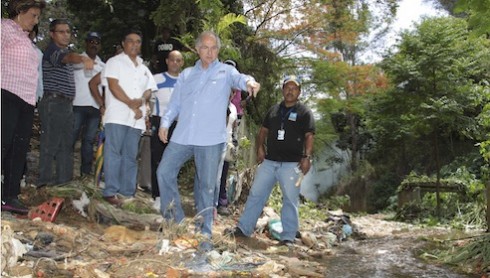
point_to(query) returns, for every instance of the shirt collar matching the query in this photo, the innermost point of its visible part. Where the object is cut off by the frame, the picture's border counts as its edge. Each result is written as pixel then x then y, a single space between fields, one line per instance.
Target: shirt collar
pixel 139 60
pixel 15 26
pixel 212 65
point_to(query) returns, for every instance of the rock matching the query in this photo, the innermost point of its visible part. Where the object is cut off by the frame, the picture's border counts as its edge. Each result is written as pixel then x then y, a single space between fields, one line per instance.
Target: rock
pixel 308 239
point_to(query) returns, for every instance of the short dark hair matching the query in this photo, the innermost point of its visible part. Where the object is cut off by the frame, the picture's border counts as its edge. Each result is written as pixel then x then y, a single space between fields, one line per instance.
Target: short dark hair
pixel 16 7
pixel 52 24
pixel 132 31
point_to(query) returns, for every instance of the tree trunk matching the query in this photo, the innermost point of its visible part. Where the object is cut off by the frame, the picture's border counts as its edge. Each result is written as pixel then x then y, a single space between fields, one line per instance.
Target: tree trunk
pixel 488 205
pixel 354 140
pixel 438 175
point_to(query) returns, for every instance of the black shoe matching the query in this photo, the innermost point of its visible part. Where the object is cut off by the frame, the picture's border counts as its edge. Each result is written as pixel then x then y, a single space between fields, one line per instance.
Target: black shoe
pixel 287 243
pixel 224 211
pixel 236 232
pixel 15 206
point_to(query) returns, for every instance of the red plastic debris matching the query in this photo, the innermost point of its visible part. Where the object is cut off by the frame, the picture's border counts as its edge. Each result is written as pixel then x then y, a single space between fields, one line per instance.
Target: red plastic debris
pixel 47 211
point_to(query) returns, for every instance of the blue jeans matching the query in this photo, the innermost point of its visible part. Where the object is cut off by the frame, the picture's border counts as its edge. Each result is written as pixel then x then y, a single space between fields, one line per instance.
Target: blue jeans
pixel 56 147
pixel 120 159
pixel 268 173
pixel 206 160
pixel 87 119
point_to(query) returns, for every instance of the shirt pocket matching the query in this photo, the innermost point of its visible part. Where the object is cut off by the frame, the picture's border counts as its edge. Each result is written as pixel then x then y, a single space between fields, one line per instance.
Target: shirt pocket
pixel 143 80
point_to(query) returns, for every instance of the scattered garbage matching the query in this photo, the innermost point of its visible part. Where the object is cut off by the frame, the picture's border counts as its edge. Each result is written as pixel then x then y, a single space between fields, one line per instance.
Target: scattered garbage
pixel 81 204
pixel 340 224
pixel 347 230
pixel 275 228
pixel 47 211
pixel 12 248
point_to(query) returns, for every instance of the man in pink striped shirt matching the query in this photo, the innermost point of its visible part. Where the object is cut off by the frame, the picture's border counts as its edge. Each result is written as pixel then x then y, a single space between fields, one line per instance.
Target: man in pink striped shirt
pixel 19 77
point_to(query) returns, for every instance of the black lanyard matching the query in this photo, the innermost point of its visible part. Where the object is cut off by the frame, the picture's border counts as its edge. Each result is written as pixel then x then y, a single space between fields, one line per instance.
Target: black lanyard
pixel 284 116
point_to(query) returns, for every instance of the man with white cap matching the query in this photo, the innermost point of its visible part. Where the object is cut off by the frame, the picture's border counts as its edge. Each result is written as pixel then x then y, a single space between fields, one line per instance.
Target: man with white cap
pixel 85 108
pixel 289 128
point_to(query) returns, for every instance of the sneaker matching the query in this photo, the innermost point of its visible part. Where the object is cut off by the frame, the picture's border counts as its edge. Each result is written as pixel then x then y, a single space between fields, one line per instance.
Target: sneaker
pixel 224 211
pixel 113 200
pixel 236 232
pixel 15 206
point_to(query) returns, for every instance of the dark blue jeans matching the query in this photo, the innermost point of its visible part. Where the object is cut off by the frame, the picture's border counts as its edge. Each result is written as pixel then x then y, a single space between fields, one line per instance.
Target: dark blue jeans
pixel 87 119
pixel 120 159
pixel 17 118
pixel 56 146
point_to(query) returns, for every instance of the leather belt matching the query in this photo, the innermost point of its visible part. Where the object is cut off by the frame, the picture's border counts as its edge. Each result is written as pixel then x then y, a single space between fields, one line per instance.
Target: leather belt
pixel 58 95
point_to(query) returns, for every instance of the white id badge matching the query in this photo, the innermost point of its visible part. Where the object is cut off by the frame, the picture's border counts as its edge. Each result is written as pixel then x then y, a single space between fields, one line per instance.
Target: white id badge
pixel 280 134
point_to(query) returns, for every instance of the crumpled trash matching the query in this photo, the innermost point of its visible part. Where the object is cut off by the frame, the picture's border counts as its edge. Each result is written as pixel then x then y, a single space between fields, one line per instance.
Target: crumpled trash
pixel 218 261
pixel 165 247
pixel 80 205
pixel 346 230
pixel 12 248
pixel 275 228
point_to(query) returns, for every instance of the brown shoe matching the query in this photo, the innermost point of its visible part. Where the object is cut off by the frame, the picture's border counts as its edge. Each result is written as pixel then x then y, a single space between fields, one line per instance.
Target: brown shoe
pixel 113 200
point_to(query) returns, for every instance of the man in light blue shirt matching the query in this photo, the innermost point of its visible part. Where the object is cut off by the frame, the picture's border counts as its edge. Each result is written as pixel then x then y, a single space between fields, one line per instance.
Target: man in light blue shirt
pixel 200 99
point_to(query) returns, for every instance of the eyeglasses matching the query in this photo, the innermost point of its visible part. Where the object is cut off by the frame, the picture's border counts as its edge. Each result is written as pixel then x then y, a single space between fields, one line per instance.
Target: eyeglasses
pixel 207 48
pixel 68 32
pixel 96 42
pixel 132 41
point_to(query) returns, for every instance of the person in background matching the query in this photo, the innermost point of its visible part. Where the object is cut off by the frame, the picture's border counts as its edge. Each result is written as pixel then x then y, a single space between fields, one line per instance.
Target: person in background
pixel 162 48
pixel 95 85
pixel 19 82
pixel 130 84
pixel 221 198
pixel 56 106
pixel 238 96
pixel 288 130
pixel 200 99
pixel 85 107
pixel 165 83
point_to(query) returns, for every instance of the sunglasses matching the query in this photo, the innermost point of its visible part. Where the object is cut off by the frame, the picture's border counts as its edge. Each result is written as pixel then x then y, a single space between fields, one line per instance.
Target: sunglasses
pixel 96 42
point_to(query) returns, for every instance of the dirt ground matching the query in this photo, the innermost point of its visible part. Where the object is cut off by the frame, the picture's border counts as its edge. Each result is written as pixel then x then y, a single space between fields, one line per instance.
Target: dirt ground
pixel 102 241
pixel 99 246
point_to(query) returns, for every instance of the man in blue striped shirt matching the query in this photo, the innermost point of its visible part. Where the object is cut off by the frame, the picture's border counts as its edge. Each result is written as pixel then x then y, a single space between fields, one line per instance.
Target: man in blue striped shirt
pixel 165 83
pixel 56 106
pixel 200 99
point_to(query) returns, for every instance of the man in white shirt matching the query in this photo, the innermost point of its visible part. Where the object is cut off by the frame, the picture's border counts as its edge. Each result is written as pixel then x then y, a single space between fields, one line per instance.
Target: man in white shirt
pixel 85 108
pixel 130 83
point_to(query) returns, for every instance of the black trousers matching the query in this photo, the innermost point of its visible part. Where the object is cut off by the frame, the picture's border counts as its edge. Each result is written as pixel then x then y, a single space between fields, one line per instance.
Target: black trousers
pixel 157 149
pixel 17 120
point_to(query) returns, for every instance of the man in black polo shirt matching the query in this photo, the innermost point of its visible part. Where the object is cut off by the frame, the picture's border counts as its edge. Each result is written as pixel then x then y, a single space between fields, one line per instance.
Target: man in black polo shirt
pixel 161 50
pixel 56 106
pixel 289 128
